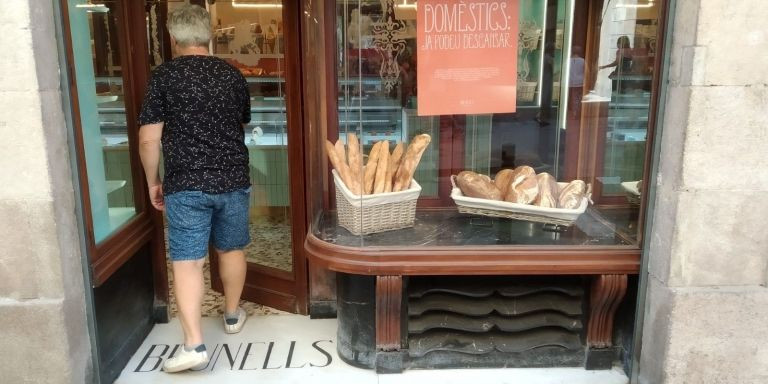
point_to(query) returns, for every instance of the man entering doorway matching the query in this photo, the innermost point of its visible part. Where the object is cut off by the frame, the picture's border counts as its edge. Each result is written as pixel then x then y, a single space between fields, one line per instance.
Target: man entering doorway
pixel 196 106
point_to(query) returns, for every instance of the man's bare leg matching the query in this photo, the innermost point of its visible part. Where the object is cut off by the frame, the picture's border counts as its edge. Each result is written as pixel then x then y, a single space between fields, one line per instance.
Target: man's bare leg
pixel 188 288
pixel 232 268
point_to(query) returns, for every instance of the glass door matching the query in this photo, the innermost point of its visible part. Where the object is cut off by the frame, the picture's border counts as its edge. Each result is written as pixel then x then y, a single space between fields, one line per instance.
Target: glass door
pixel 96 51
pixel 252 36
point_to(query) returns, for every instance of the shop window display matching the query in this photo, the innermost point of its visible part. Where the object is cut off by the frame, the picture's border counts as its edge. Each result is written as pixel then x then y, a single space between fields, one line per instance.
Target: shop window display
pixel 562 168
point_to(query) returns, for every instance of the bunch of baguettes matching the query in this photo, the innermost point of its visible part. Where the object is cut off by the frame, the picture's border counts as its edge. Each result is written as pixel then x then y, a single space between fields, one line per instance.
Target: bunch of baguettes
pixel 522 185
pixel 383 172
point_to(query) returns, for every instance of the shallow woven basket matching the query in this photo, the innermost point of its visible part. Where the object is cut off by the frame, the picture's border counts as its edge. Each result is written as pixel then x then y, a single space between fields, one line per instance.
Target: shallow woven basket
pixel 526 212
pixel 379 217
pixel 515 215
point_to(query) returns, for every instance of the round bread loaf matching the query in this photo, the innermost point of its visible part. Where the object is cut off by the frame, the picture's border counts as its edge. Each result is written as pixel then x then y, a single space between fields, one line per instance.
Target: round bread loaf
pixel 524 191
pixel 521 173
pixel 476 185
pixel 572 194
pixel 503 179
pixel 548 191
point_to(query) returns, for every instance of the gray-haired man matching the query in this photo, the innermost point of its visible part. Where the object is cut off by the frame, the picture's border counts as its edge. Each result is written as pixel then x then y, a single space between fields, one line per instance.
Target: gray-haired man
pixel 196 105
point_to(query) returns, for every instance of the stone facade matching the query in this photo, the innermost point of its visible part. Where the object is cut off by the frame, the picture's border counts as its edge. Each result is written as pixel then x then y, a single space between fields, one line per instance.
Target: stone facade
pixel 43 337
pixel 708 257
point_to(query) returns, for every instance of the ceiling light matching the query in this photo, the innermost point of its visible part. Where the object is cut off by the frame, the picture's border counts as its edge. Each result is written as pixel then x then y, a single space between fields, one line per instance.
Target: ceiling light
pixel 235 4
pixel 93 8
pixel 649 4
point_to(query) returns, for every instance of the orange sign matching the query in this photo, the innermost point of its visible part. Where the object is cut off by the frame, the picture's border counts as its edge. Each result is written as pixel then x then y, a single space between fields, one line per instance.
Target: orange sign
pixel 467 56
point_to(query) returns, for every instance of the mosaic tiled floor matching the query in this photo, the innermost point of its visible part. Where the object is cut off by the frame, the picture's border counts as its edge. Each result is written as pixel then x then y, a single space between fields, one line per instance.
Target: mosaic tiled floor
pixel 270 242
pixel 213 301
pixel 270 246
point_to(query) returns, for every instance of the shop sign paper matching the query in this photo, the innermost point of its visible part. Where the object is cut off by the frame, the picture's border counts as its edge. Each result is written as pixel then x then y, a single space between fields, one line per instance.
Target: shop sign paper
pixel 466 56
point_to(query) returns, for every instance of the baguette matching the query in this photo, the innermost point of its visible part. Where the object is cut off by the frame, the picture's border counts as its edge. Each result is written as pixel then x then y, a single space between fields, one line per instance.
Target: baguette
pixel 548 191
pixel 340 151
pixel 572 194
pixel 382 167
pixel 410 161
pixel 341 168
pixel 394 163
pixel 370 169
pixel 476 185
pixel 355 159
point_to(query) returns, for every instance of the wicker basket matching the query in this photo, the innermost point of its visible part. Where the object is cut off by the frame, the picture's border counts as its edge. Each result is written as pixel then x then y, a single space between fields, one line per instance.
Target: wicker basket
pixel 504 209
pixel 362 215
pixel 526 90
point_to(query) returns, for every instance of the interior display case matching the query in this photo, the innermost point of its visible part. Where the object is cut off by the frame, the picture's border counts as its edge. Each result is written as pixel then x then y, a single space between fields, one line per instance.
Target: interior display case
pixel 533 191
pixel 626 131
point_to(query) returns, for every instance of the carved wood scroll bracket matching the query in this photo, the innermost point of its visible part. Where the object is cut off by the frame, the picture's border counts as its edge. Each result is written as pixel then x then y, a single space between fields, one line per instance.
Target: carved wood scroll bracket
pixel 389 293
pixel 605 296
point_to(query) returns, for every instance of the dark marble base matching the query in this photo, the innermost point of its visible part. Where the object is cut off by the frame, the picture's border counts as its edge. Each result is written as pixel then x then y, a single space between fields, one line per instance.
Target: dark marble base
pixel 551 335
pixel 390 362
pixel 322 310
pixel 124 310
pixel 356 298
pixel 600 358
pixel 536 358
pixel 162 313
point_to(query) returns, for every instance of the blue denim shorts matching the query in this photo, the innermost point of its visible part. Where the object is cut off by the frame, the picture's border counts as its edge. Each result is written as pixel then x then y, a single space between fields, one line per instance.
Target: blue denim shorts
pixel 195 218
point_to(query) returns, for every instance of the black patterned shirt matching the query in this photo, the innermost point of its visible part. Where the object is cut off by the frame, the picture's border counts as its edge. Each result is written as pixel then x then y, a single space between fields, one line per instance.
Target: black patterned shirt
pixel 203 102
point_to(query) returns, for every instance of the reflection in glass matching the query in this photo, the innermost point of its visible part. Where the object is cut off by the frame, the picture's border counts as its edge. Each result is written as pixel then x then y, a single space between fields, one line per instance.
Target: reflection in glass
pixel 582 105
pixel 251 39
pixel 101 105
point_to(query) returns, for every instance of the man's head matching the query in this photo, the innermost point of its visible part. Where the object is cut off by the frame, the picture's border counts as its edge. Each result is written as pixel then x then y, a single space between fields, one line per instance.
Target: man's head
pixel 190 26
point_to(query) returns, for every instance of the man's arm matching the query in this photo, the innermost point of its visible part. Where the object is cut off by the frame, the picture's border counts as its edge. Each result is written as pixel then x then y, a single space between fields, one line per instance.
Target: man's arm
pixel 149 152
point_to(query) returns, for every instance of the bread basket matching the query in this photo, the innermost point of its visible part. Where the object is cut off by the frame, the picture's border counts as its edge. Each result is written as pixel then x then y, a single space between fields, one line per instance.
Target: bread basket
pixel 362 215
pixel 494 208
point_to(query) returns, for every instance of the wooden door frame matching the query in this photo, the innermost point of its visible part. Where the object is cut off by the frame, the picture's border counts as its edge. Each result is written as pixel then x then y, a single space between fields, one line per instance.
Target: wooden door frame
pixel 285 290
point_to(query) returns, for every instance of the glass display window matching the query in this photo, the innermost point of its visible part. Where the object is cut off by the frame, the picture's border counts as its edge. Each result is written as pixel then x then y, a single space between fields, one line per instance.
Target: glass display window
pixel 561 163
pixel 96 55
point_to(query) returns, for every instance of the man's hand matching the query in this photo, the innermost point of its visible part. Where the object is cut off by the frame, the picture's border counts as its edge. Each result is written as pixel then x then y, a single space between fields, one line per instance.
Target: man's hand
pixel 156 197
pixel 149 152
